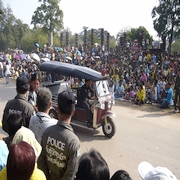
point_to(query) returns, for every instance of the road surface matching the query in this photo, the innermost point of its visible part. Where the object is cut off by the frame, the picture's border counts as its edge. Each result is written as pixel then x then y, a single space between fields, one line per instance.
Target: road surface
pixel 142 134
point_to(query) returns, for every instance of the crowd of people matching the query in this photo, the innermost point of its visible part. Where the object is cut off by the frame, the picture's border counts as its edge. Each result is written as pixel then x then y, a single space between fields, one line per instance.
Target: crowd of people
pixel 136 75
pixel 40 147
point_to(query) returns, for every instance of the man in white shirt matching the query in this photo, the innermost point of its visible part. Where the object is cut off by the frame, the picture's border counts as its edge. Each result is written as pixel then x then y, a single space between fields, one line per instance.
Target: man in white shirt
pixel 1 70
pixel 42 120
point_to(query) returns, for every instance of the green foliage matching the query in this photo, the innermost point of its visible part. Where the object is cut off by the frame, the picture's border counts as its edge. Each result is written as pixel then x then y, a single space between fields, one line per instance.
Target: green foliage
pixel 166 19
pixel 175 47
pixel 112 42
pixel 1 12
pixel 36 35
pixel 48 16
pixel 134 33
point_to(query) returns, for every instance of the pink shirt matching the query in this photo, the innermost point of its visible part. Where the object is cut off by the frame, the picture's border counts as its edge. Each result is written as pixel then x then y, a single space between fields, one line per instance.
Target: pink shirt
pixel 131 93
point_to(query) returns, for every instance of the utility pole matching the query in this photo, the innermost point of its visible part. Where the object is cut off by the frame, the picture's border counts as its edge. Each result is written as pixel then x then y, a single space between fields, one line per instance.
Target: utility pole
pixel 76 37
pixel 102 37
pixel 67 38
pixel 108 42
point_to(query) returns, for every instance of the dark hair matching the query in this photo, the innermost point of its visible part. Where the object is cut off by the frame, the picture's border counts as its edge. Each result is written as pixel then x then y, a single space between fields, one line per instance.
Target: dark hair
pixel 87 80
pixel 92 166
pixel 66 102
pixel 169 83
pixel 22 85
pixel 44 97
pixel 34 77
pixel 21 161
pixel 141 86
pixel 121 175
pixel 132 87
pixel 21 91
pixel 14 123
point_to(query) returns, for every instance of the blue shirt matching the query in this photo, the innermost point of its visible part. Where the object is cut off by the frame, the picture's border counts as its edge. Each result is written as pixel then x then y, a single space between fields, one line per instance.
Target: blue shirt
pixel 169 95
pixel 120 89
pixel 158 89
pixel 3 154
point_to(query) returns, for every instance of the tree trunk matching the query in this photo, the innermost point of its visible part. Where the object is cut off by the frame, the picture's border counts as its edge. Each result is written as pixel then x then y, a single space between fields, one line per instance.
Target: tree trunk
pixel 51 38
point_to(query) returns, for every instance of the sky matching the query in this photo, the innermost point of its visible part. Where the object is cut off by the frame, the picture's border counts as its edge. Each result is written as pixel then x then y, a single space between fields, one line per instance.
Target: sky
pixel 112 15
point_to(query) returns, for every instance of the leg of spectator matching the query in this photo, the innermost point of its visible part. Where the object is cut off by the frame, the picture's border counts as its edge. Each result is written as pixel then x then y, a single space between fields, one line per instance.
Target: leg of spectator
pixel 175 100
pixel 164 105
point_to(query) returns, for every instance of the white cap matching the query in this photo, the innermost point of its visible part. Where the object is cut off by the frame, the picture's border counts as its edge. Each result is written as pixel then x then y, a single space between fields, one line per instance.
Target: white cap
pixel 148 172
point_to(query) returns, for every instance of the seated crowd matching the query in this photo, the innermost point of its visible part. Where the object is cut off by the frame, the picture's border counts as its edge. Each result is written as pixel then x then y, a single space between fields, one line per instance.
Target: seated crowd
pixel 155 91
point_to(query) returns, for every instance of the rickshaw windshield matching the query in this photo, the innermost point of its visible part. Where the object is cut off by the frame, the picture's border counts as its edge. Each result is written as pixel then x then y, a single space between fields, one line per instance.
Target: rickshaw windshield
pixel 102 88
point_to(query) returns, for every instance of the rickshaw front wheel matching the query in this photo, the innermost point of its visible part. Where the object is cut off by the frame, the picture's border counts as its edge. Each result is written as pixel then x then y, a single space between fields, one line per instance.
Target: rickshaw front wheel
pixel 108 127
pixel 53 114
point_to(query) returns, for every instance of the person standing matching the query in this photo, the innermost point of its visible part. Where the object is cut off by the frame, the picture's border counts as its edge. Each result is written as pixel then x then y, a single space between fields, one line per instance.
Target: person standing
pixel 19 104
pixel 7 72
pixel 42 120
pixel 1 70
pixel 177 92
pixel 60 146
pixel 32 93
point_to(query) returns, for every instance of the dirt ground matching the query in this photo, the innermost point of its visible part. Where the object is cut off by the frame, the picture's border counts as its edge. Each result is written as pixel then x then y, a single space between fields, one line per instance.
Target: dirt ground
pixel 146 107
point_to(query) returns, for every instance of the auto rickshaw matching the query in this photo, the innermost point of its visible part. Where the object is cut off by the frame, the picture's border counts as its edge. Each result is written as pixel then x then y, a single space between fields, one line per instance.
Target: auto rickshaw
pixel 102 105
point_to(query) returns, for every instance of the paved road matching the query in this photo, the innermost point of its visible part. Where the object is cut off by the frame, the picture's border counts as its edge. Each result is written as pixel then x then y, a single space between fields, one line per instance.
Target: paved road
pixel 7 92
pixel 143 134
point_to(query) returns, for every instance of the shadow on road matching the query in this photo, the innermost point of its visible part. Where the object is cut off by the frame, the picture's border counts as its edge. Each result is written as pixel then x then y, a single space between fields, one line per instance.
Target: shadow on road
pixel 86 134
pixel 156 115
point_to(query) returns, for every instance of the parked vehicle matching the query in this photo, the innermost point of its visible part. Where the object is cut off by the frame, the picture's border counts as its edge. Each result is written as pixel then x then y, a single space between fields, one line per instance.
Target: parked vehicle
pixel 102 105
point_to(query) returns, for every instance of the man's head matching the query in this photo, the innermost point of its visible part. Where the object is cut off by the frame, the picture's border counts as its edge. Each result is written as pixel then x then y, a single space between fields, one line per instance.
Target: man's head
pixel 121 175
pixel 140 87
pixel 44 98
pixel 66 103
pixel 92 166
pixel 34 82
pixel 14 123
pixel 168 85
pixel 22 85
pixel 87 82
pixel 120 82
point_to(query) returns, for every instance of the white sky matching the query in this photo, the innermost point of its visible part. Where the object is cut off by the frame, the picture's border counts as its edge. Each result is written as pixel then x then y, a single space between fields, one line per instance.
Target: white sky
pixel 112 15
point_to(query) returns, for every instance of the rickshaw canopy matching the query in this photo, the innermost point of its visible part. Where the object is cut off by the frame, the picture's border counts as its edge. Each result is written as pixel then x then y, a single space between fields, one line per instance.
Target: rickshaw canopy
pixel 72 70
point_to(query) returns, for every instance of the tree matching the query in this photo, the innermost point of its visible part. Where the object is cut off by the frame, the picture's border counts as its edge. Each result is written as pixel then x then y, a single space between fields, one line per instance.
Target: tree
pixel 1 8
pixel 166 19
pixel 20 29
pixel 176 47
pixel 8 21
pixel 49 16
pixel 135 33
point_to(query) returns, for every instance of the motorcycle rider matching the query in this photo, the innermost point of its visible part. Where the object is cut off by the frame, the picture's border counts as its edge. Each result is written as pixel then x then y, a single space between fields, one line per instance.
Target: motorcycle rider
pixel 85 100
